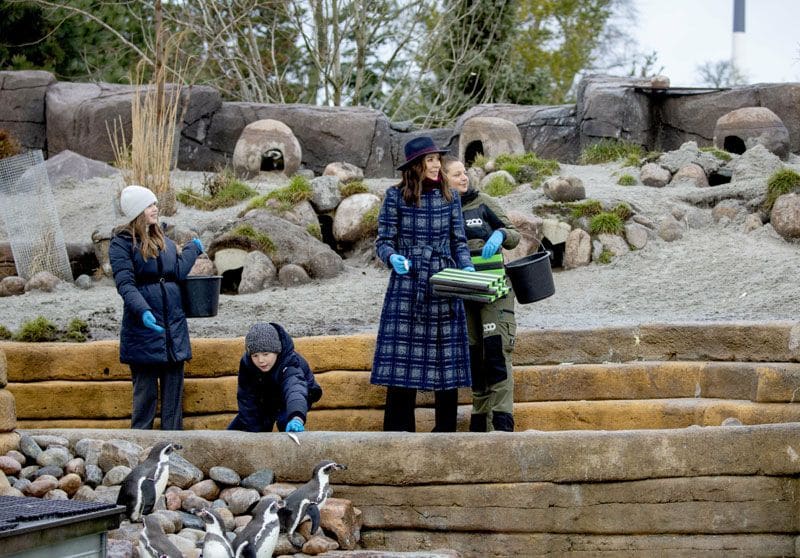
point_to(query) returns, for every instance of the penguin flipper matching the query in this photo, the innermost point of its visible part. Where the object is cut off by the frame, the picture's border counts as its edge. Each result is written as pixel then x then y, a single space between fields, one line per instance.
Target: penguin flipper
pixel 148 496
pixel 313 512
pixel 241 550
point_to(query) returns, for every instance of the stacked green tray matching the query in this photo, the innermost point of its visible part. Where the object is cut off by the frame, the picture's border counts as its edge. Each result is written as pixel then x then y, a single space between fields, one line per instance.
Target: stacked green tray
pixel 480 286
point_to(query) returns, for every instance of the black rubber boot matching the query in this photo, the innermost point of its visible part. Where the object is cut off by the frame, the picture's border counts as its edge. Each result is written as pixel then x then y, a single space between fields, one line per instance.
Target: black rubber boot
pixel 477 423
pixel 503 422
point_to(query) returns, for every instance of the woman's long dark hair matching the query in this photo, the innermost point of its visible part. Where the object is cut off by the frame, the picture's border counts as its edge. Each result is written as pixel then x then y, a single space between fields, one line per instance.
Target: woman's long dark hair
pixel 411 184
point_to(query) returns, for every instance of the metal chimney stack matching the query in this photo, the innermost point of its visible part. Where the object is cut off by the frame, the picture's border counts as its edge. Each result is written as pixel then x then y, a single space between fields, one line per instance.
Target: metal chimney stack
pixel 737 48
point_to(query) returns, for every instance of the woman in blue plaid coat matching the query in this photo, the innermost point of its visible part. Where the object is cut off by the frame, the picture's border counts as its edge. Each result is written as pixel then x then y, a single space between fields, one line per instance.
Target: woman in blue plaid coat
pixel 422 338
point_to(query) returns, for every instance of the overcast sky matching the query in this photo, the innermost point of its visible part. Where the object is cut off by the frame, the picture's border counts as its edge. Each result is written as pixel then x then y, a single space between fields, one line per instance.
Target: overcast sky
pixel 687 33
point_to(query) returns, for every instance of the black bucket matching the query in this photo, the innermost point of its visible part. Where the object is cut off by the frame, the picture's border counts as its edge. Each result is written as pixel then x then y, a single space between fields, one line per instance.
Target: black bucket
pixel 200 294
pixel 531 277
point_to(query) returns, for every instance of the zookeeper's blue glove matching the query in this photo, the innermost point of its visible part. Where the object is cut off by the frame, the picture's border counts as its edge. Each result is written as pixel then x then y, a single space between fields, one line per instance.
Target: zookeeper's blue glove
pixel 150 321
pixel 295 425
pixel 198 244
pixel 468 268
pixel 492 245
pixel 401 264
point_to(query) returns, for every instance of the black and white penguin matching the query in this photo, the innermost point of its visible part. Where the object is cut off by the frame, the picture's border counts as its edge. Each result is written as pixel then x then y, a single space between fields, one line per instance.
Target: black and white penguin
pixel 153 543
pixel 306 500
pixel 259 537
pixel 136 492
pixel 215 543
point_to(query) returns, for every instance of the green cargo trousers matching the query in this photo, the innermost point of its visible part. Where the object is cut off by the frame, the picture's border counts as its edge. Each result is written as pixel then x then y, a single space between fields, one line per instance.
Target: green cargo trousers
pixel 492 330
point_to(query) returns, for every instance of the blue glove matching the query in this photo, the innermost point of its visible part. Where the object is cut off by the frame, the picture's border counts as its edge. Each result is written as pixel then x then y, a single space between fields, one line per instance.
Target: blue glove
pixel 198 244
pixel 401 264
pixel 468 268
pixel 492 245
pixel 150 321
pixel 295 425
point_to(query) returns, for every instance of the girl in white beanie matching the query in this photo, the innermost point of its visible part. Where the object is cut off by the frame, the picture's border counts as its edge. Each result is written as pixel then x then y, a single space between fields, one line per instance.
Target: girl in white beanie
pixel 154 338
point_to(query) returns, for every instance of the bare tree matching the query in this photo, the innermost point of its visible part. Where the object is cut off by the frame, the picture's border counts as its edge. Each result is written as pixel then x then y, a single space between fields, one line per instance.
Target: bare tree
pixel 721 73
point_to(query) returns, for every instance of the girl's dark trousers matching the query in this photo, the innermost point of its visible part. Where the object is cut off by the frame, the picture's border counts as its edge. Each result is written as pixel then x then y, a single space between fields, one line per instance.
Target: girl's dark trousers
pixel 146 380
pixel 399 412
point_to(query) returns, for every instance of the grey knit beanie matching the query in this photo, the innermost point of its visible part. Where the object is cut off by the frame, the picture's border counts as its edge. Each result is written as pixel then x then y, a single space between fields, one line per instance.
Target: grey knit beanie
pixel 262 338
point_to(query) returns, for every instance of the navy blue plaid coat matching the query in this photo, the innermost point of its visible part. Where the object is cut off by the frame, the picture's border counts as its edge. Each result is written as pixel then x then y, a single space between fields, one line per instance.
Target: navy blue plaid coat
pixel 422 338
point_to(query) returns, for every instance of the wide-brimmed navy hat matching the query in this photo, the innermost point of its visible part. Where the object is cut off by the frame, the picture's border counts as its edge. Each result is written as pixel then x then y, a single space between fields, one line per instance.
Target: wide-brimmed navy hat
pixel 419 147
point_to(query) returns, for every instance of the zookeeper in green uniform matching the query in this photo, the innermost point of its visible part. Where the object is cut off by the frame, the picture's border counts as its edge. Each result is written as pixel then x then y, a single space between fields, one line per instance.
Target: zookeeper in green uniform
pixel 491 327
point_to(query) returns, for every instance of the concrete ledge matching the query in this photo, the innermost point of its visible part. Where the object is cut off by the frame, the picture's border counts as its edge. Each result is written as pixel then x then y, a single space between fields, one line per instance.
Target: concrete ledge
pixel 400 459
pixel 700 491
pixel 8 414
pixel 3 369
pixel 746 342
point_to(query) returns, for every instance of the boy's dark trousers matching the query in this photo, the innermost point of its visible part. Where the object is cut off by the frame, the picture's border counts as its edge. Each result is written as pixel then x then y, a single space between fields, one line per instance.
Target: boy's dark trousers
pixel 399 412
pixel 146 381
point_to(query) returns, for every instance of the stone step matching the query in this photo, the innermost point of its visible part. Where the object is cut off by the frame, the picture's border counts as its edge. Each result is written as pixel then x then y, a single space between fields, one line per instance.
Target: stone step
pixel 547 415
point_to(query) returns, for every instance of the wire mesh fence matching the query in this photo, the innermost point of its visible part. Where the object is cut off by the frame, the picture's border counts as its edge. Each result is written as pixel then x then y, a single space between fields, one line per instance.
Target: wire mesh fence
pixel 30 217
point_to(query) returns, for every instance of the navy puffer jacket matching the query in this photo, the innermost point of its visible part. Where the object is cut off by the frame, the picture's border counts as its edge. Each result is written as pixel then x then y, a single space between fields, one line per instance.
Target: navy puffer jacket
pixel 288 390
pixel 141 288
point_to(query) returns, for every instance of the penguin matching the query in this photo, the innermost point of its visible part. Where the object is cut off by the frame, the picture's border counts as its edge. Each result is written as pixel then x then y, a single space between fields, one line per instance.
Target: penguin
pixel 305 501
pixel 136 493
pixel 153 543
pixel 215 542
pixel 259 537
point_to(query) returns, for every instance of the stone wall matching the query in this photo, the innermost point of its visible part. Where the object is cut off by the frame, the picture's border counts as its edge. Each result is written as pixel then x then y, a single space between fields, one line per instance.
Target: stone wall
pixel 54 116
pixel 716 491
pixel 655 376
pixel 8 414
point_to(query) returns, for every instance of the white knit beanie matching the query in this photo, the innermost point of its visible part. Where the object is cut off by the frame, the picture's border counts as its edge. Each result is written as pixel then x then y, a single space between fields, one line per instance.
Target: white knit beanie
pixel 135 199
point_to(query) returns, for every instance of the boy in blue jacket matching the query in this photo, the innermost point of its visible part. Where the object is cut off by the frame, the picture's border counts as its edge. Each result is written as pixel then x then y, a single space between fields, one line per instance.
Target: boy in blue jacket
pixel 276 385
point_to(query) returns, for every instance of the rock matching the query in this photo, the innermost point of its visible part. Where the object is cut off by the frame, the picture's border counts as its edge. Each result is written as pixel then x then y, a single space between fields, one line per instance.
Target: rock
pixel 12 286
pixel 318 544
pixel 266 146
pixel 116 548
pixel 258 273
pixel 182 473
pixel 84 282
pixel 224 475
pixel 670 229
pixel 84 493
pixel 203 266
pixel 692 174
pixel 743 128
pixel 614 244
pixel 173 501
pixel 194 503
pixel 54 456
pixel 654 175
pixel 785 216
pixel 29 447
pixel 291 275
pixel 756 164
pixel 752 222
pixel 11 491
pixel 70 483
pixel 186 546
pixel 191 521
pixel 76 465
pixel 42 281
pixel 326 193
pixel 259 480
pixel 338 516
pixel 530 229
pixel 206 489
pixel 555 231
pixel 659 82
pixel 498 174
pixel 116 475
pixel 227 259
pixel 107 494
pixel 56 494
pixel 119 452
pixel 89 449
pixel 67 168
pixel 636 235
pixel 577 250
pixel 239 499
pixel 349 224
pixel 172 521
pixel 29 472
pixel 47 440
pixel 227 517
pixel 727 208
pixel 9 466
pixel 42 486
pixel 16 456
pixel 564 188
pixel 301 214
pixel 689 154
pixel 489 135
pixel 51 470
pixel 94 475
pixel 22 484
pixel 345 172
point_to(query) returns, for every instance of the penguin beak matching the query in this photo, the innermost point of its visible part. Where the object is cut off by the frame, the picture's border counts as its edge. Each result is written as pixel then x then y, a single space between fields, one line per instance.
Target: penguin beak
pixel 177 446
pixel 340 467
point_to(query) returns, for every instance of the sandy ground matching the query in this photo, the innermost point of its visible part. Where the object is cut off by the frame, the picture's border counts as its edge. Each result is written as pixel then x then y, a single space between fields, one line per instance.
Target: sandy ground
pixel 714 273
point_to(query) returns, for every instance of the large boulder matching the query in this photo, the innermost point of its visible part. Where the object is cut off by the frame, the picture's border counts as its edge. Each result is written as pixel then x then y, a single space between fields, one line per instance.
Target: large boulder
pixel 612 107
pixel 549 131
pixel 747 127
pixel 266 146
pixel 22 106
pixel 69 168
pixel 489 136
pixel 293 244
pixel 357 135
pixel 785 216
pixel 348 221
